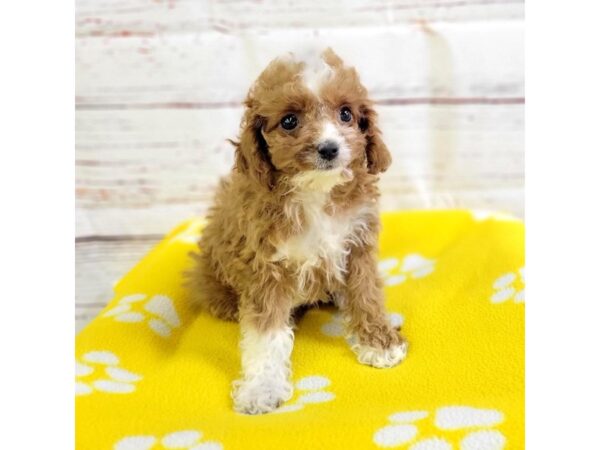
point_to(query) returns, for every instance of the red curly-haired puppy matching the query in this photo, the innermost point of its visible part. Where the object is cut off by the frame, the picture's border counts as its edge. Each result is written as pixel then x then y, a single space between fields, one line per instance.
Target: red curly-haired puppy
pixel 297 222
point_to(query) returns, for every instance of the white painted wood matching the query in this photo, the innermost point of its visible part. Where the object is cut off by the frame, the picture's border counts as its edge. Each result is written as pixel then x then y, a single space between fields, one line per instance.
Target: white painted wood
pixel 149 17
pixel 212 69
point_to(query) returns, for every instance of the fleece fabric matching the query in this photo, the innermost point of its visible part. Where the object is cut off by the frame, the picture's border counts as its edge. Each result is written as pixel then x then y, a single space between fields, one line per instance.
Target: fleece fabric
pixel 154 373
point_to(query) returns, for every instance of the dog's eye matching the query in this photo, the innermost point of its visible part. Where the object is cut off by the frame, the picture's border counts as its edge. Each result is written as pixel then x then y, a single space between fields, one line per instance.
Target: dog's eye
pixel 289 122
pixel 345 114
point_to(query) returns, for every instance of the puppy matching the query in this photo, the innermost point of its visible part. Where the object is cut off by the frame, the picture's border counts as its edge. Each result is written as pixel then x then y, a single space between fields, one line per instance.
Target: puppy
pixel 297 222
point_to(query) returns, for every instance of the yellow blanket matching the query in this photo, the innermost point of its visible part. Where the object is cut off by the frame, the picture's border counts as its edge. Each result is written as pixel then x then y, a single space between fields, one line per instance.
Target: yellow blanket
pixel 153 374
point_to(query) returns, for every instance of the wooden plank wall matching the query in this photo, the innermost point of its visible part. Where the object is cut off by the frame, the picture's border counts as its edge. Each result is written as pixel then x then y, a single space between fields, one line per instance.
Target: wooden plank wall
pixel 159 85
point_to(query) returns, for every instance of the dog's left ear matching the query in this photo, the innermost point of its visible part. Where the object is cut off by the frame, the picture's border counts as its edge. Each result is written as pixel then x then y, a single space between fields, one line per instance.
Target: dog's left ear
pixel 378 155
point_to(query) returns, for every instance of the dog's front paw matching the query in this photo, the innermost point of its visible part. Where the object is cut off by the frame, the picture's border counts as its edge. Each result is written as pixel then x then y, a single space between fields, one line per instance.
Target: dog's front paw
pixel 259 396
pixel 381 357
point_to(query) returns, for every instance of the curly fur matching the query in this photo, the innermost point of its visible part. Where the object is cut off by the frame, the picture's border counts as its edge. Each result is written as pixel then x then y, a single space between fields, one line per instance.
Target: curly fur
pixel 285 231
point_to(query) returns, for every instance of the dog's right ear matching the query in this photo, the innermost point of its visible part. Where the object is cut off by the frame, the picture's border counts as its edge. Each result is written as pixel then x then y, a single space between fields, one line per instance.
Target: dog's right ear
pixel 252 156
pixel 378 155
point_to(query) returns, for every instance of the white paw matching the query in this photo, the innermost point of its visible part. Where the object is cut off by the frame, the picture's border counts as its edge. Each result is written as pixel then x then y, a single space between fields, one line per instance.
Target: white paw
pixel 381 357
pixel 260 395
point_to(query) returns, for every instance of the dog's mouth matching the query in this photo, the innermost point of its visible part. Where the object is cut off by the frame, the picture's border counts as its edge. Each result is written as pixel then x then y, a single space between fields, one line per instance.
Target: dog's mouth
pixel 323 164
pixel 327 165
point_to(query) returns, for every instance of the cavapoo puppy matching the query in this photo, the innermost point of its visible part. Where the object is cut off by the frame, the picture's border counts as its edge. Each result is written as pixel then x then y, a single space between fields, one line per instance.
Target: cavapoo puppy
pixel 297 222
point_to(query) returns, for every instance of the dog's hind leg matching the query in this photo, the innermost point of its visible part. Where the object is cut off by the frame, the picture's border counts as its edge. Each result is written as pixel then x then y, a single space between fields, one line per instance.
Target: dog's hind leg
pixel 210 294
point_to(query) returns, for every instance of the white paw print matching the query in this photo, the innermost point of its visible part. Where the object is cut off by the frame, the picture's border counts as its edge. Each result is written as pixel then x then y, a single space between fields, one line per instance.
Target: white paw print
pixel 113 379
pixel 509 287
pixel 187 439
pixel 412 266
pixel 335 327
pixel 312 389
pixel 477 422
pixel 191 234
pixel 481 215
pixel 159 312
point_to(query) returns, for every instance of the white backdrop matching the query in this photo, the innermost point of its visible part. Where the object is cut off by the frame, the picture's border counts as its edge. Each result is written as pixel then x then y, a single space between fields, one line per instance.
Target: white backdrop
pixel 159 85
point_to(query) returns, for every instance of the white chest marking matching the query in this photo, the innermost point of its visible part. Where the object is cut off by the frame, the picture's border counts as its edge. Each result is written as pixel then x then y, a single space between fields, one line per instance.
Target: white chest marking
pixel 325 240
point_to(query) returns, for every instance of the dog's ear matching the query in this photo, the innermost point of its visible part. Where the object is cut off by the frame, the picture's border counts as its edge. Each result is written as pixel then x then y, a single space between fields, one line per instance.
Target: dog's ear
pixel 378 155
pixel 252 152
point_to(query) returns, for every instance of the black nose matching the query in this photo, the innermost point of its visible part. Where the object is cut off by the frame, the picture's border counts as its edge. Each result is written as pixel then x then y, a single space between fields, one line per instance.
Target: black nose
pixel 328 150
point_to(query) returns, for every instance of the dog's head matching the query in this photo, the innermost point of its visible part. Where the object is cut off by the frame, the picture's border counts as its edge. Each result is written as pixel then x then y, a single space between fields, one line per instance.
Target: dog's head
pixel 308 121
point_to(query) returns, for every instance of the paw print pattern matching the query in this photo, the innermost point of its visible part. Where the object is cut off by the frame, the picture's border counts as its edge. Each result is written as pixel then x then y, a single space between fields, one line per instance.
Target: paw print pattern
pixel 402 431
pixel 481 215
pixel 312 390
pixel 412 266
pixel 185 440
pixel 191 234
pixel 158 312
pixel 114 379
pixel 478 424
pixel 509 287
pixel 335 327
